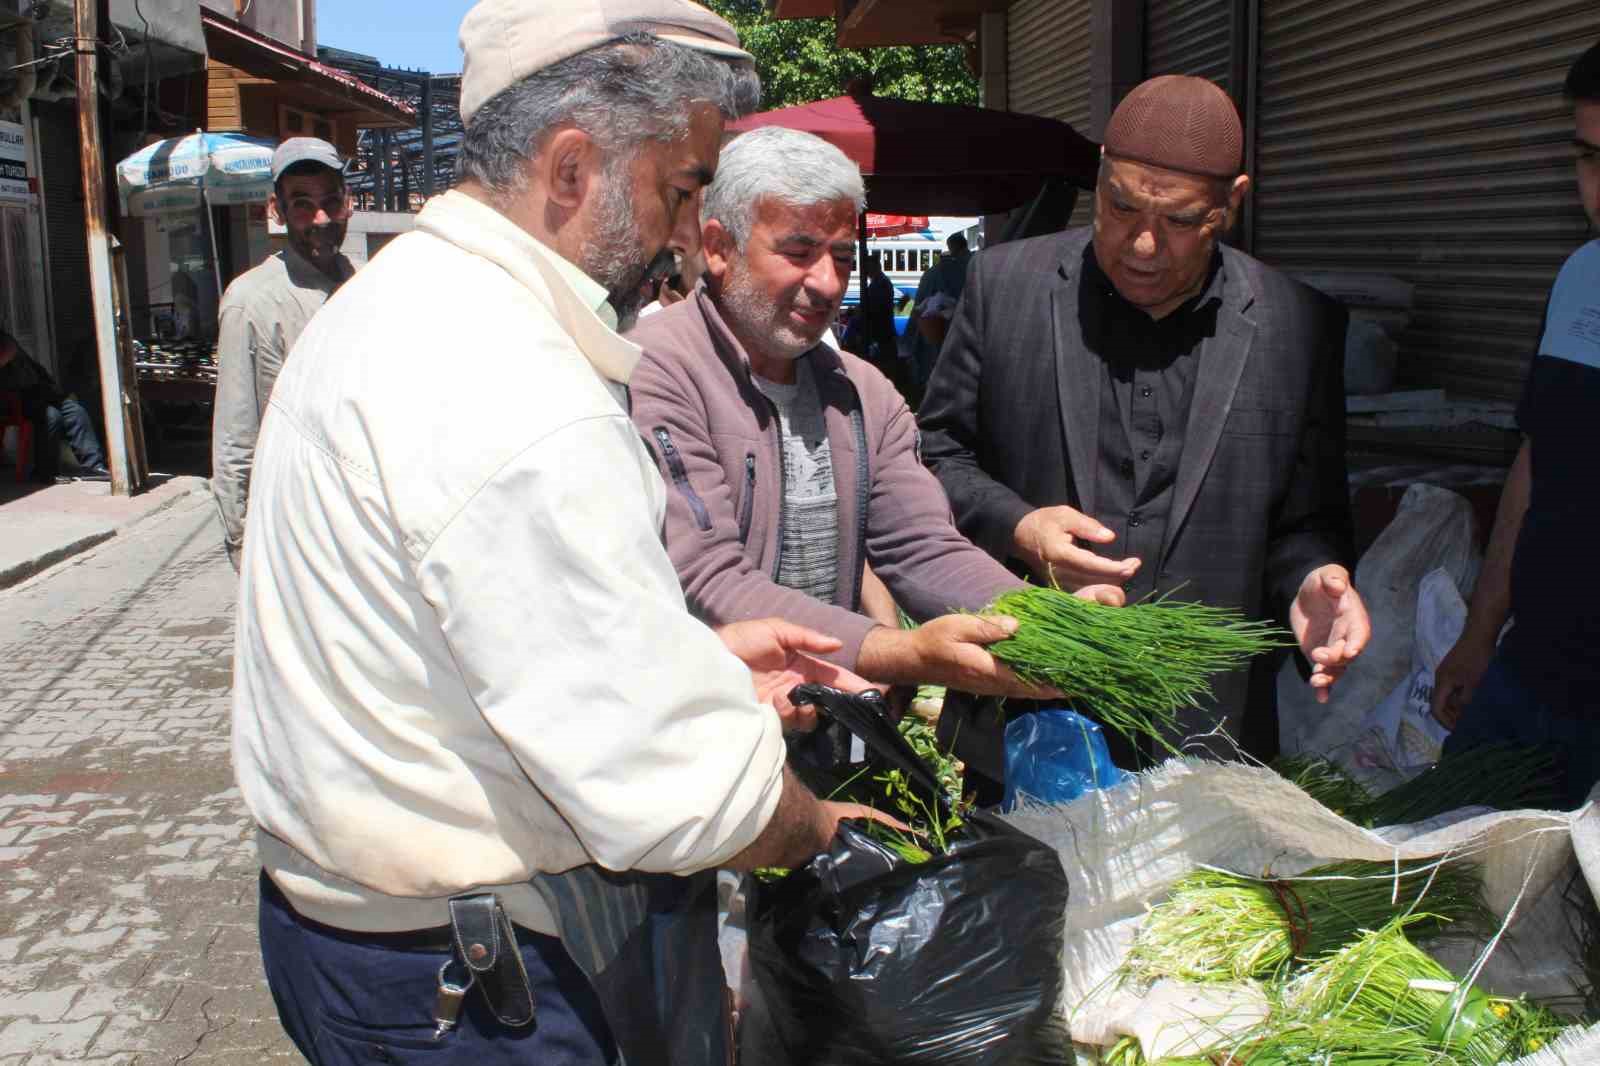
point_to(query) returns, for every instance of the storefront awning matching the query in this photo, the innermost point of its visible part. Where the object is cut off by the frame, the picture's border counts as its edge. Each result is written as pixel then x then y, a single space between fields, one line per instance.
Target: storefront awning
pixel 301 80
pixel 875 23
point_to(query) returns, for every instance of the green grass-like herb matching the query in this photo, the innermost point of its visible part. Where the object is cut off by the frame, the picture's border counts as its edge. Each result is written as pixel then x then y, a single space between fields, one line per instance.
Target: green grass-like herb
pixel 1323 781
pixel 1219 926
pixel 1501 776
pixel 1383 982
pixel 1135 667
pixel 1333 1042
pixel 930 831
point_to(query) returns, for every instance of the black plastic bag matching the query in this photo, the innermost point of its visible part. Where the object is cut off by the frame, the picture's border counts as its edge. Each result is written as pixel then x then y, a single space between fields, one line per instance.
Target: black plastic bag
pixel 864 958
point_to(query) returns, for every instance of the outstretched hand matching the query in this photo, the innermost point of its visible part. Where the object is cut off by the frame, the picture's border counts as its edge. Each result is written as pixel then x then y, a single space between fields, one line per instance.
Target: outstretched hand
pixel 1330 624
pixel 1049 541
pixel 780 656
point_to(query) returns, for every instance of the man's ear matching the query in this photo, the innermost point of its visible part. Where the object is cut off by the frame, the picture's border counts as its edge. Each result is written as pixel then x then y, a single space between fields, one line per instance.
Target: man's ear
pixel 1236 195
pixel 566 166
pixel 717 246
pixel 276 209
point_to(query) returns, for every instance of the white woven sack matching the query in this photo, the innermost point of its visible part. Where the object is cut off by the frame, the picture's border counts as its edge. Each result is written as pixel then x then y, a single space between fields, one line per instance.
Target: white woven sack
pixel 1431 530
pixel 1123 849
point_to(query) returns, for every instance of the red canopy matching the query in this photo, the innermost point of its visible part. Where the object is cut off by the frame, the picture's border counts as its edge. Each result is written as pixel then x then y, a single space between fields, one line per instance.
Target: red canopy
pixel 942 159
pixel 895 225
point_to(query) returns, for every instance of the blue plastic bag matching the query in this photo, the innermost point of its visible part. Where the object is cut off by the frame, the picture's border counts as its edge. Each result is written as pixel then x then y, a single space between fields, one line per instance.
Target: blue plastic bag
pixel 1055 755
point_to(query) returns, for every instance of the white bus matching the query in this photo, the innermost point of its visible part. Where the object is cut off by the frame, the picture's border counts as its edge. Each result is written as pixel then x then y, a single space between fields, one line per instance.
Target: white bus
pixel 907 257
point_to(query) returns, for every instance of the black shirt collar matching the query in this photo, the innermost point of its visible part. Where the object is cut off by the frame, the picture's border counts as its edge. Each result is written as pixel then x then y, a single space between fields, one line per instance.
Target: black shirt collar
pixel 1112 301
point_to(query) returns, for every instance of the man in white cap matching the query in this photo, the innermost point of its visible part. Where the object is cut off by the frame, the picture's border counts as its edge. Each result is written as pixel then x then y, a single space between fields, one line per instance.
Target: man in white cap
pixel 484 742
pixel 266 308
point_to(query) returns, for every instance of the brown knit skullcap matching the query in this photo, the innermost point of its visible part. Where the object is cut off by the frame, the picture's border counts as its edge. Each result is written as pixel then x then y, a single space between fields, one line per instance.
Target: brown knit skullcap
pixel 1178 123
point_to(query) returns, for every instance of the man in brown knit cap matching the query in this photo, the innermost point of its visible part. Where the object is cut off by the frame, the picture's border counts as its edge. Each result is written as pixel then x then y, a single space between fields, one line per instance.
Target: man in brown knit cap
pixel 1139 404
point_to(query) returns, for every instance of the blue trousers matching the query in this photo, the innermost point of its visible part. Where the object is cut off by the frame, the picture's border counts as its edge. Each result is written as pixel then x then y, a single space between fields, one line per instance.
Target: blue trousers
pixel 65 419
pixel 347 998
pixel 1505 711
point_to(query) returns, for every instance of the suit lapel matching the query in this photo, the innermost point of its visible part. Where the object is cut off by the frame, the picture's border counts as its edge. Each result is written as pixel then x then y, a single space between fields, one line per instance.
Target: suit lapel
pixel 1222 361
pixel 1078 381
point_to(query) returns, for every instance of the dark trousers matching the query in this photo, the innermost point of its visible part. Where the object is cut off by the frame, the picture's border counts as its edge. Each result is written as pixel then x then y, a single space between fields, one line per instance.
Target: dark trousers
pixel 347 998
pixel 61 419
pixel 1505 711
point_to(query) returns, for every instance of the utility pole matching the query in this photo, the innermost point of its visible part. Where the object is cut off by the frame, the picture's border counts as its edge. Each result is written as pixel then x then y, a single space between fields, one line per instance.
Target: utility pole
pixel 88 16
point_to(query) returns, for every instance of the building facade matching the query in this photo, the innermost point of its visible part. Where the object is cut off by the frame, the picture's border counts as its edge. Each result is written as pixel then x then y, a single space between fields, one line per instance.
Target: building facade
pixel 1424 141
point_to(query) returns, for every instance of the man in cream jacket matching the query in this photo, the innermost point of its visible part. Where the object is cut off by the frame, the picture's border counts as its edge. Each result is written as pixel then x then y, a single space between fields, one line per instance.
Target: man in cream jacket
pixel 464 665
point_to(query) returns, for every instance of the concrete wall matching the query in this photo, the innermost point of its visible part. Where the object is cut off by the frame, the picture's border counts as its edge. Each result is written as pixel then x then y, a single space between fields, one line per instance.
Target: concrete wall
pixel 291 22
pixel 371 230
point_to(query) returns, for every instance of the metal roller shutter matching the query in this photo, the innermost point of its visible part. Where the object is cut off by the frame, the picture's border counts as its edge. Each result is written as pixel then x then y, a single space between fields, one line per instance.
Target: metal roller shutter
pixel 1429 141
pixel 1047 44
pixel 62 180
pixel 1189 37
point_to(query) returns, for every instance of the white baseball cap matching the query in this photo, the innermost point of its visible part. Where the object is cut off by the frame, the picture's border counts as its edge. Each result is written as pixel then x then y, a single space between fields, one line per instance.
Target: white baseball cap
pixel 504 41
pixel 305 150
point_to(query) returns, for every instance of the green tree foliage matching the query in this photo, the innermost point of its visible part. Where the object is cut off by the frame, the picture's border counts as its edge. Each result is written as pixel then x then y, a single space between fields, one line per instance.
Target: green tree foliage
pixel 800 61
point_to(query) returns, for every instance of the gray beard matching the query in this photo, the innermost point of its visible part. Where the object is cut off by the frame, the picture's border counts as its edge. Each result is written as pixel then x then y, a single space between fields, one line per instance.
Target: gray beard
pixel 750 313
pixel 612 255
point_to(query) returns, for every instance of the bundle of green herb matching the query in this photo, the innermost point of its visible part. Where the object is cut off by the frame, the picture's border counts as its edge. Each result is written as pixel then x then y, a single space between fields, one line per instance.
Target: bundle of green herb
pixel 929 827
pixel 1334 1042
pixel 1583 916
pixel 1384 983
pixel 1501 776
pixel 1127 1052
pixel 1218 926
pixel 1131 667
pixel 1323 781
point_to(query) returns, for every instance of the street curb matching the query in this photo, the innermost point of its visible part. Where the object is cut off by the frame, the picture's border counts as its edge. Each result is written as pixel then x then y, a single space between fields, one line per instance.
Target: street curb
pixel 20 572
pixel 16 575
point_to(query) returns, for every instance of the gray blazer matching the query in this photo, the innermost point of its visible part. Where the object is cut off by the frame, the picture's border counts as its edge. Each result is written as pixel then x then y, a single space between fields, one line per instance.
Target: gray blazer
pixel 262 314
pixel 1012 415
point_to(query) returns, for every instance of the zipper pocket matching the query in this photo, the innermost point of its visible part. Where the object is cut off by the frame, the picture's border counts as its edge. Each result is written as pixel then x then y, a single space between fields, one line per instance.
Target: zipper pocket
pixel 747 509
pixel 680 478
pixel 858 422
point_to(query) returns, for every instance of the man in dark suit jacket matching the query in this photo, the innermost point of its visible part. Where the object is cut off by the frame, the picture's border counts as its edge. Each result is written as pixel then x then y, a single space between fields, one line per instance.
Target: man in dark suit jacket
pixel 1140 390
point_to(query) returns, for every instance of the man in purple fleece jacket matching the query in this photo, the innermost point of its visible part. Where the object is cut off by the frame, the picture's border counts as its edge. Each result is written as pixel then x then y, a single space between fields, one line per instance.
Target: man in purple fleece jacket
pixel 790 465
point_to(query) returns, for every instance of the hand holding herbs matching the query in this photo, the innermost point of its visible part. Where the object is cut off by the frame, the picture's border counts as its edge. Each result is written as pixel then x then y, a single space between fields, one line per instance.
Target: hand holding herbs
pixel 953 650
pixel 1131 667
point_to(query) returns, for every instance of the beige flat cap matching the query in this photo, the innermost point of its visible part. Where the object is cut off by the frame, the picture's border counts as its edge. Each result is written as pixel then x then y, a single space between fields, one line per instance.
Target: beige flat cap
pixel 504 41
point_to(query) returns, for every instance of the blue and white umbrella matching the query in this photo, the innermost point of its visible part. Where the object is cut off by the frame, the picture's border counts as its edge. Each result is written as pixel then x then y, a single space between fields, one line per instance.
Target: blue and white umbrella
pixel 182 173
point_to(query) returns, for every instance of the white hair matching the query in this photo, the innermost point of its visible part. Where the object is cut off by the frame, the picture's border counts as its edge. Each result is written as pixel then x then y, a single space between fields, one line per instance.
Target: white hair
pixel 796 169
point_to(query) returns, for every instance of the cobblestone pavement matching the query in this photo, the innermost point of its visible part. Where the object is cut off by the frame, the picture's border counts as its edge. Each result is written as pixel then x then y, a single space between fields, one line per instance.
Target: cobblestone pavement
pixel 127 872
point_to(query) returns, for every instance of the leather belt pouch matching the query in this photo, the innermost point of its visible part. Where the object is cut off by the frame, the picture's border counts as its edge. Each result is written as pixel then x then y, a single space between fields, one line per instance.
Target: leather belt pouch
pixel 487 945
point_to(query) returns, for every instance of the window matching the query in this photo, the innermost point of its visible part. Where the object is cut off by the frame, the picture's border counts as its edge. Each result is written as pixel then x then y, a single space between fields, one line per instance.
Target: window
pixel 293 122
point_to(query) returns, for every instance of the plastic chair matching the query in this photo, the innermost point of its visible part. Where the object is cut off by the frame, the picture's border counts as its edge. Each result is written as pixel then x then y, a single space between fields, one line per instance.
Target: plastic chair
pixel 11 415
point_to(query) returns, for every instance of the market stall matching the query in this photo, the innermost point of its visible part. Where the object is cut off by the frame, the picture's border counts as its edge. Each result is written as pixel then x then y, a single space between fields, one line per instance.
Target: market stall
pixel 195 197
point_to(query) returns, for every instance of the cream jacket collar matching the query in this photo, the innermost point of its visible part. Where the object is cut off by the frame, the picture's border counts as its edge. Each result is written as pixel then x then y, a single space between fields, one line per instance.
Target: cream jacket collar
pixel 576 300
